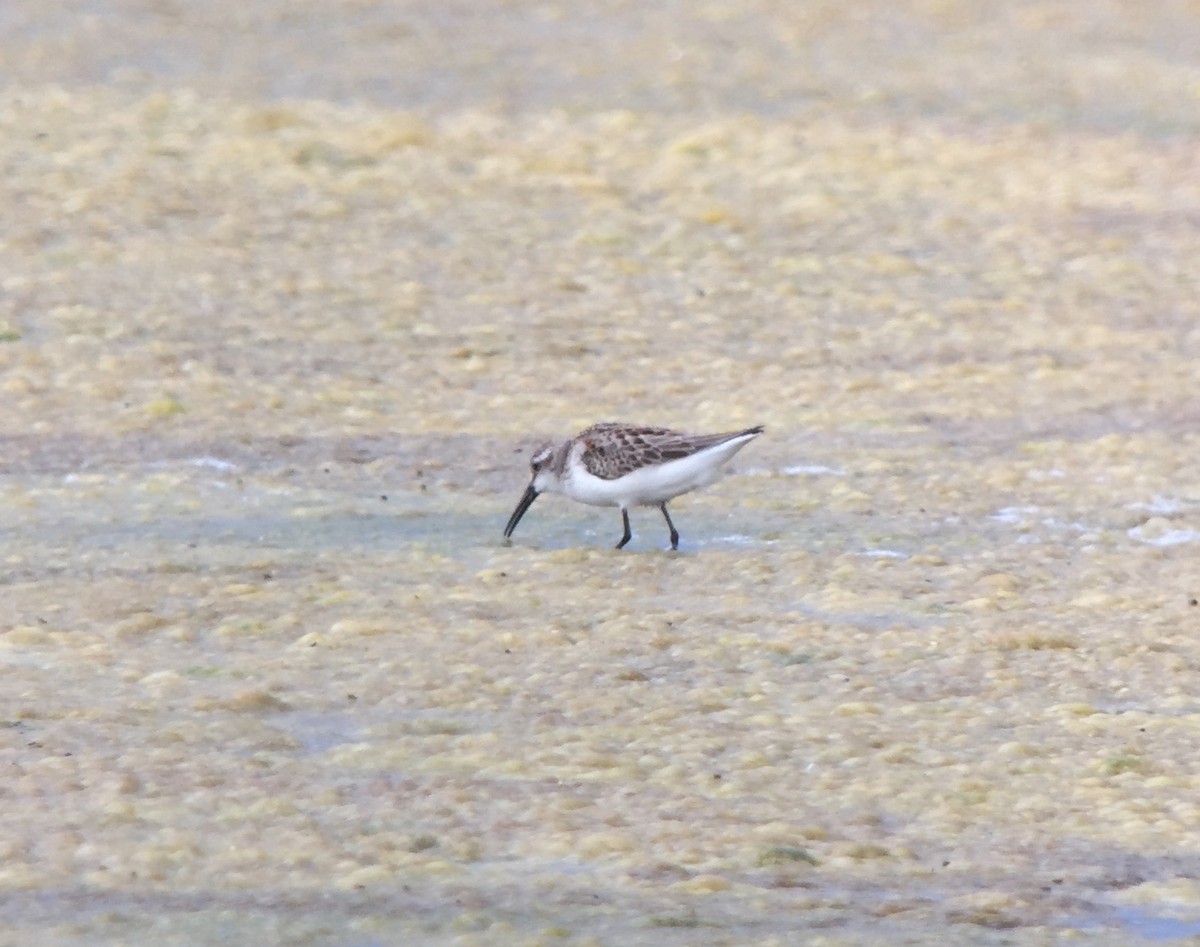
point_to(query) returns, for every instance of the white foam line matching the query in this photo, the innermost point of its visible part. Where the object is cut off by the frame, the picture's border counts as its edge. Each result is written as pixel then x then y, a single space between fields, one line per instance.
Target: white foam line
pixel 1014 514
pixel 214 462
pixel 1158 505
pixel 812 469
pixel 799 470
pixel 1172 537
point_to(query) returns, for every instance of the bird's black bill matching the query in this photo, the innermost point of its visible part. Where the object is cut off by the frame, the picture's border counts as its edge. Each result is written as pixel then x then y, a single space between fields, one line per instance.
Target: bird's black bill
pixel 527 499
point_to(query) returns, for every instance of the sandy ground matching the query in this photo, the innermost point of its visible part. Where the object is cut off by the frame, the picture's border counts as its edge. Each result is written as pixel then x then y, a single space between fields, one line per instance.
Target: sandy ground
pixel 288 291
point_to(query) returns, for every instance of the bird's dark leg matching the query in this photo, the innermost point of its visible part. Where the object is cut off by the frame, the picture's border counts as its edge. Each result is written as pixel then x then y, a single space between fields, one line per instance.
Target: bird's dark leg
pixel 628 532
pixel 670 526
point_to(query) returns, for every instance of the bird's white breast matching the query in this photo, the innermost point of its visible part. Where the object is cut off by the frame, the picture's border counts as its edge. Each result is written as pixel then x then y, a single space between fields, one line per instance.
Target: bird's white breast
pixel 649 486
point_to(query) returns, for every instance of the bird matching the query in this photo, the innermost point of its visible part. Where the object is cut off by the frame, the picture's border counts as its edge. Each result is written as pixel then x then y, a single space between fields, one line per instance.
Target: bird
pixel 624 465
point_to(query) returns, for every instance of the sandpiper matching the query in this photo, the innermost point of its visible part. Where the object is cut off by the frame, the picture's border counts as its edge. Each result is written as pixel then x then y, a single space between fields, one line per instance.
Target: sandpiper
pixel 624 465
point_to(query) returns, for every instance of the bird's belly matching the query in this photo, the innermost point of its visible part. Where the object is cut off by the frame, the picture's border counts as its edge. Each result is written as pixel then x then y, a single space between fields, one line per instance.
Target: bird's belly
pixel 646 486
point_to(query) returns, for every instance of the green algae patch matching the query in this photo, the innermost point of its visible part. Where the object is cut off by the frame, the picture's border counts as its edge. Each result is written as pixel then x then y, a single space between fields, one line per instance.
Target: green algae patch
pixel 786 854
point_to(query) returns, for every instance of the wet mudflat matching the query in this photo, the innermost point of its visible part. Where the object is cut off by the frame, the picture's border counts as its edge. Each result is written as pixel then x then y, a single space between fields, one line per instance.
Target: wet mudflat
pixel 274 354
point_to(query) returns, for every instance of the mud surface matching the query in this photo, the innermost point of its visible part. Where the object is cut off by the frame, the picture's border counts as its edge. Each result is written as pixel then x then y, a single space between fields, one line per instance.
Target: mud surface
pixel 287 293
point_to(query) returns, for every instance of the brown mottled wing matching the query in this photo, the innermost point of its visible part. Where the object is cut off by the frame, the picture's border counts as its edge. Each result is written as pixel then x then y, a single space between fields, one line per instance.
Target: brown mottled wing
pixel 612 450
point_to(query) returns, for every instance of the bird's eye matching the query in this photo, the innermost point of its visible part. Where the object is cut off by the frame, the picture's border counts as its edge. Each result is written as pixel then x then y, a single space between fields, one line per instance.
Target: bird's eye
pixel 536 465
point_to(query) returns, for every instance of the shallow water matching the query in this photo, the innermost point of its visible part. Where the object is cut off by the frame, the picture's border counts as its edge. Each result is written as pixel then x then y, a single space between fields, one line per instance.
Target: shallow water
pixel 1146 924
